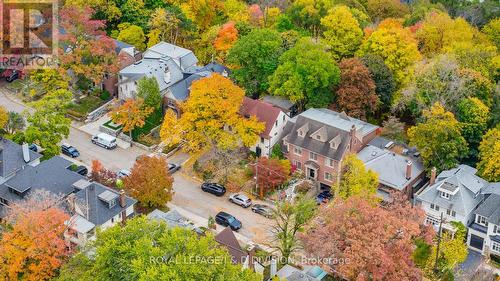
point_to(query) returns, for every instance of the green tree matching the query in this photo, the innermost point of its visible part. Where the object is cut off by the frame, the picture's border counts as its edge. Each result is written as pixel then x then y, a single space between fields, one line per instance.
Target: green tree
pixel 438 139
pixel 15 123
pixel 289 220
pixel 473 116
pixel 492 30
pixel 394 129
pixel 356 180
pixel 255 57
pixel 384 80
pixel 342 32
pixel 48 124
pixel 4 117
pixel 306 74
pixel 489 153
pixel 382 9
pixel 276 152
pixel 133 35
pixel 149 91
pixel 150 250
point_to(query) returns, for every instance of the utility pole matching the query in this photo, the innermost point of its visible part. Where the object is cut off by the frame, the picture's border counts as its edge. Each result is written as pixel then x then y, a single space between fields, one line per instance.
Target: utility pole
pixel 438 242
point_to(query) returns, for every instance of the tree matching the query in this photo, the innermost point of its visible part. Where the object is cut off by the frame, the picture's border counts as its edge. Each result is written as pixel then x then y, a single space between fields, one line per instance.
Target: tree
pixel 168 24
pixel 383 78
pixel 132 34
pixel 306 14
pixel 15 123
pixel 270 173
pixel 202 12
pixel 289 220
pixel 102 175
pixel 492 30
pixel 149 91
pixel 377 242
pixel 87 50
pixel 48 79
pixel 149 182
pixel 4 117
pixel 277 153
pixel 489 153
pixel 131 114
pixel 227 36
pixel 396 46
pixel 256 16
pixel 473 116
pixel 211 117
pixel 482 58
pixel 382 9
pixel 255 57
pixel 356 92
pixel 33 247
pixel 47 126
pixel 306 74
pixel 342 32
pixel 438 139
pixel 156 252
pixel 236 10
pixel 355 180
pixel 394 129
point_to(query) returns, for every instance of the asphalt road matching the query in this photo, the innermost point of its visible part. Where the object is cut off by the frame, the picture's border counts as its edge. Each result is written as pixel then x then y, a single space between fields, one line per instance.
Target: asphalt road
pixel 188 194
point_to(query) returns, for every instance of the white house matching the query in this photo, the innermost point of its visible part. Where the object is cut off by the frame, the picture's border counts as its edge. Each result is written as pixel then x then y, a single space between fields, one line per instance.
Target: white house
pixel 274 119
pixel 484 230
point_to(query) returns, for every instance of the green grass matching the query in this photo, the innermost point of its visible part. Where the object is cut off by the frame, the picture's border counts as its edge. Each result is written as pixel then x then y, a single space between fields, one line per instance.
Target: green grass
pixel 86 105
pixel 153 121
pixel 110 123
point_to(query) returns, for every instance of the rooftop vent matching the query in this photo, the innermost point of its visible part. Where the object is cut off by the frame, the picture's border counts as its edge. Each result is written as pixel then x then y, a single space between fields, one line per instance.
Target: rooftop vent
pixel 26 153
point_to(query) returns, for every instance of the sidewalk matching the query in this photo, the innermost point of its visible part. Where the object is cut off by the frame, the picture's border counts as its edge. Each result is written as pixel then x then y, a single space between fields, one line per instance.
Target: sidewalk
pixel 92 129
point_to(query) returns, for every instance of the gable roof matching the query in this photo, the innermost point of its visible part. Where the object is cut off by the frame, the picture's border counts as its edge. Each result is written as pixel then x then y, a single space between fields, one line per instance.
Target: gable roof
pixel 468 195
pixel 265 112
pixel 172 218
pixel 11 157
pixel 490 209
pixel 227 239
pixel 184 58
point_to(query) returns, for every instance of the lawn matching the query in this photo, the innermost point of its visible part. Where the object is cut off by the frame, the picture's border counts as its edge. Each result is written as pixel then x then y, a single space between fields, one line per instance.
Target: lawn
pixel 85 106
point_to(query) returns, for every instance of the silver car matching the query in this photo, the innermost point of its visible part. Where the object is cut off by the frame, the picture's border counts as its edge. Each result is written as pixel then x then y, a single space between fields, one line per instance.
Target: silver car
pixel 240 199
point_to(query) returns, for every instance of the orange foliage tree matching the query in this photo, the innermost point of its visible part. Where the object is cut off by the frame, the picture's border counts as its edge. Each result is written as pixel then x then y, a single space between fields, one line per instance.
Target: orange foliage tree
pixel 131 114
pixel 34 247
pixel 102 175
pixel 149 182
pixel 271 173
pixel 227 36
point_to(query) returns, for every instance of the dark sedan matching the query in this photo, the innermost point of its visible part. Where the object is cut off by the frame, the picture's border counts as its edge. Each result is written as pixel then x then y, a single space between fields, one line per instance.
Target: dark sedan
pixel 226 219
pixel 214 188
pixel 69 150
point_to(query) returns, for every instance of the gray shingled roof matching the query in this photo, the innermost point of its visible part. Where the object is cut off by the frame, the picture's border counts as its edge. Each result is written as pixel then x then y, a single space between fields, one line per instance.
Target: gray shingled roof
pixel 339 120
pixel 490 209
pixel 11 157
pixel 468 195
pixel 171 218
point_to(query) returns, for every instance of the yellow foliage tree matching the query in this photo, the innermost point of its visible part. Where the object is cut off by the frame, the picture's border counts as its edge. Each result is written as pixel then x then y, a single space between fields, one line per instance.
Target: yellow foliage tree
pixel 356 180
pixel 132 114
pixel 4 117
pixel 489 155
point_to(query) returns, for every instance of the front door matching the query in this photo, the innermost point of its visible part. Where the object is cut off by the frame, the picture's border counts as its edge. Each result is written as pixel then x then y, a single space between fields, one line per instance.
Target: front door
pixel 311 174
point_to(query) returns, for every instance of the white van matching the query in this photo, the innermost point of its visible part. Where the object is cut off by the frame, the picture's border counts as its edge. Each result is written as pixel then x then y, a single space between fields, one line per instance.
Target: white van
pixel 104 140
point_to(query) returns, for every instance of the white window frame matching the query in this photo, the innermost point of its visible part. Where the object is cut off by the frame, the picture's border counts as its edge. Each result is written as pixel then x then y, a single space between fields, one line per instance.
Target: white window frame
pixel 328 177
pixel 431 220
pixel 445 195
pixel 434 207
pixel 329 162
pixel 495 246
pixel 297 164
pixel 496 229
pixel 295 149
pixel 313 156
pixel 481 220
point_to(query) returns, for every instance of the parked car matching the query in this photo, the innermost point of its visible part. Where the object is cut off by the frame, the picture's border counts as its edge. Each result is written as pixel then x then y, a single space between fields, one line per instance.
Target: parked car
pixel 82 170
pixel 13 76
pixel 123 173
pixel 226 220
pixel 33 147
pixel 324 197
pixel 69 150
pixel 213 188
pixel 172 168
pixel 104 140
pixel 263 210
pixel 240 199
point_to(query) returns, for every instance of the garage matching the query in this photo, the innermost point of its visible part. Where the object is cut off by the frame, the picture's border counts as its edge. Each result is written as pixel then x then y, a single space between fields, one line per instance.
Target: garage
pixel 476 242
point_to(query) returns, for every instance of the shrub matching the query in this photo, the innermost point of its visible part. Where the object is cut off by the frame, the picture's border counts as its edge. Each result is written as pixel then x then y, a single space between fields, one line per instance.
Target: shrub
pixel 105 95
pixel 208 175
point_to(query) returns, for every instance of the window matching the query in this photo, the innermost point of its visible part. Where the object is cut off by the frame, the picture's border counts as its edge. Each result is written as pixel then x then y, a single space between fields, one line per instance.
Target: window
pixel 431 220
pixel 329 162
pixel 276 123
pixel 451 213
pixel 318 137
pixel 495 246
pixel 297 164
pixel 297 150
pixel 283 118
pixel 328 176
pixel 313 156
pixel 445 195
pixel 496 229
pixel 300 133
pixel 481 220
pixel 261 140
pixel 435 207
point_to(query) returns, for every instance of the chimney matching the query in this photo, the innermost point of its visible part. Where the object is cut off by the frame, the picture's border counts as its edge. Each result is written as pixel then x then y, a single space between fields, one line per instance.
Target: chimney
pixel 433 176
pixel 71 202
pixel 352 134
pixel 273 268
pixel 251 257
pixel 409 165
pixel 123 201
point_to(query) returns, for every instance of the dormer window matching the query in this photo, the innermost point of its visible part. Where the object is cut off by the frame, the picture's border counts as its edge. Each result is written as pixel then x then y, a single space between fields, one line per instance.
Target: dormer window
pixel 481 220
pixel 318 137
pixel 301 134
pixel 445 195
pixel 112 203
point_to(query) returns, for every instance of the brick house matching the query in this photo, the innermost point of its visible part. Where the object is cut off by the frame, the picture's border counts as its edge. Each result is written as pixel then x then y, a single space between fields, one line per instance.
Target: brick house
pixel 317 140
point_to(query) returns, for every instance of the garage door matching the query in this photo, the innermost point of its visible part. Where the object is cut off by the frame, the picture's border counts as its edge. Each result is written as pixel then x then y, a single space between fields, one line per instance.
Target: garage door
pixel 476 242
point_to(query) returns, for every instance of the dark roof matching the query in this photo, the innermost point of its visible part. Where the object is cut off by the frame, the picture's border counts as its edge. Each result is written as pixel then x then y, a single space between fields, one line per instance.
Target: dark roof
pixel 227 239
pixel 265 112
pixel 11 157
pixel 121 45
pixel 490 209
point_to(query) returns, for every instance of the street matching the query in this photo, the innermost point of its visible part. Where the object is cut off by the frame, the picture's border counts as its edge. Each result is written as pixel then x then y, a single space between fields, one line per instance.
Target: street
pixel 187 192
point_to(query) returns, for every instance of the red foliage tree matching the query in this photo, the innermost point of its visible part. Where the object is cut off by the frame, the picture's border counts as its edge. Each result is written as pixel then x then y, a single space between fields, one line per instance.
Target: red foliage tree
pixel 227 36
pixel 374 243
pixel 102 175
pixel 270 173
pixel 256 15
pixel 356 93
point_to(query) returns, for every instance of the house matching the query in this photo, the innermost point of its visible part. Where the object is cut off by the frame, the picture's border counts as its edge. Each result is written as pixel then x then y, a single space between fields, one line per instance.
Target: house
pixel 317 140
pixel 173 67
pixel 454 194
pixel 172 218
pixel 14 157
pixel 398 168
pixel 227 239
pixel 484 229
pixel 283 103
pixel 290 273
pixel 274 119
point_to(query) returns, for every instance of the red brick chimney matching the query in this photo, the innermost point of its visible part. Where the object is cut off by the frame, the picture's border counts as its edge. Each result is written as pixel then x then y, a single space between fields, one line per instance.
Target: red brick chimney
pixel 433 176
pixel 409 165
pixel 352 134
pixel 123 200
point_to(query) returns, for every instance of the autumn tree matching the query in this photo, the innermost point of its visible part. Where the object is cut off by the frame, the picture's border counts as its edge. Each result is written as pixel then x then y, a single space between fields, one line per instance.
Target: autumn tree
pixel 236 10
pixel 385 235
pixel 342 32
pixel 87 52
pixel 131 114
pixel 438 138
pixel 211 117
pixel 473 116
pixel 48 80
pixel 489 153
pixel 394 129
pixel 307 14
pixel 383 78
pixel 355 180
pixel 132 34
pixel 33 247
pixel 289 219
pixel 102 175
pixel 227 36
pixel 202 12
pixel 492 30
pixel 168 24
pixel 270 173
pixel 356 92
pixel 48 125
pixel 15 122
pixel 157 251
pixel 382 9
pixel 255 57
pixel 4 117
pixel 149 182
pixel 306 74
pixel 396 46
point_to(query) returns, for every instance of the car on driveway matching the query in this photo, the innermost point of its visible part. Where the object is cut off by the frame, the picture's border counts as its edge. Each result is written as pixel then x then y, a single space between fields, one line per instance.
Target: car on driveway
pixel 263 210
pixel 69 150
pixel 226 220
pixel 214 188
pixel 324 197
pixel 172 168
pixel 240 199
pixel 82 170
pixel 123 173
